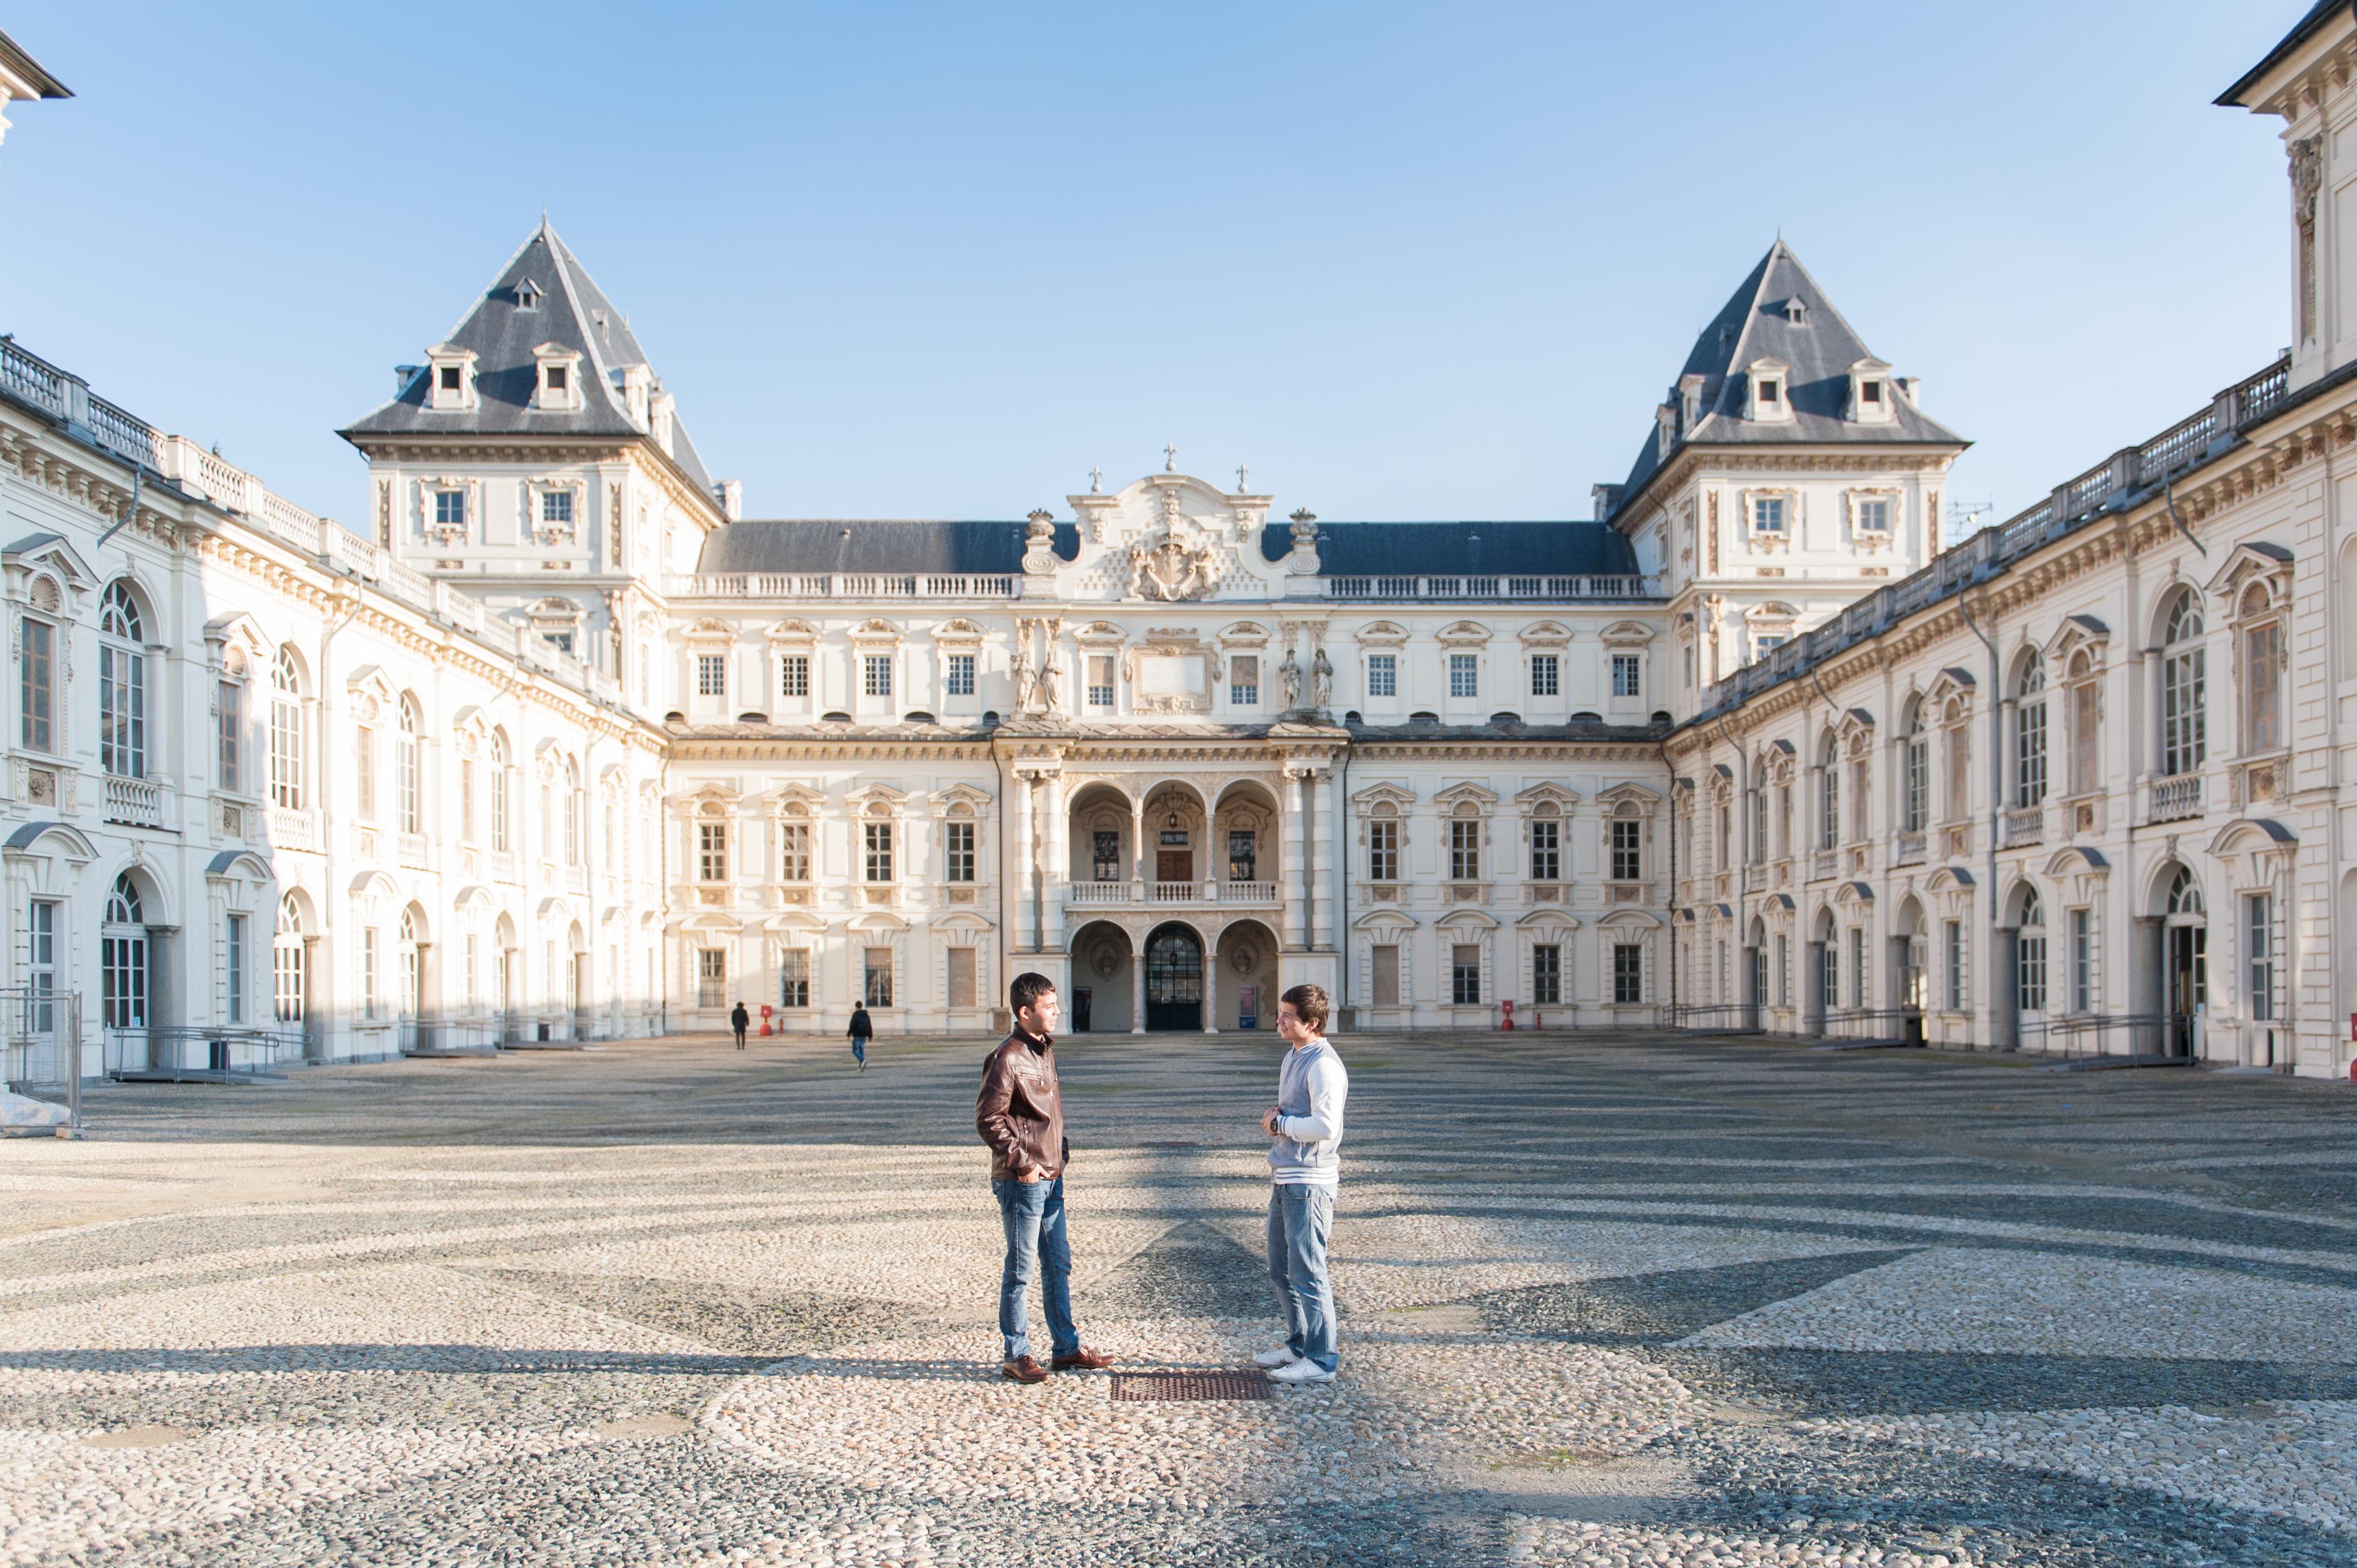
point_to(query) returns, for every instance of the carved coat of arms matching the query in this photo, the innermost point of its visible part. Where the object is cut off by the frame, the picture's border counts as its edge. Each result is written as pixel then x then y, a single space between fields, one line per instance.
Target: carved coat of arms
pixel 1174 562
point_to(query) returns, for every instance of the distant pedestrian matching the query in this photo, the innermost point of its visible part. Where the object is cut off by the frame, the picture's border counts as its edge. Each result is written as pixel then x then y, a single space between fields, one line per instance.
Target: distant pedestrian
pixel 739 1020
pixel 1021 1115
pixel 862 1028
pixel 1305 1127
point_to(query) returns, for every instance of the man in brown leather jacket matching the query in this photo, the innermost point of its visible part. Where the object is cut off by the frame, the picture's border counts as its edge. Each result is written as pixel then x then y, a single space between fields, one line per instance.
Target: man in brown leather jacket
pixel 1020 1115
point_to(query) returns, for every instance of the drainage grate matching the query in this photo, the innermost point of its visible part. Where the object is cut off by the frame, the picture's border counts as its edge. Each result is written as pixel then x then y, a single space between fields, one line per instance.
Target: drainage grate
pixel 1190 1386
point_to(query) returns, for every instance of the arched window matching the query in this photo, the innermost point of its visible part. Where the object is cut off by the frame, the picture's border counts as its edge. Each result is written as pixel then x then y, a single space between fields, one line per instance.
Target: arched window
pixel 286 970
pixel 502 791
pixel 2030 735
pixel 2184 738
pixel 1915 773
pixel 2030 965
pixel 2184 894
pixel 122 685
pixel 286 731
pixel 122 958
pixel 123 904
pixel 408 770
pixel 1829 792
pixel 1959 752
pixel 413 973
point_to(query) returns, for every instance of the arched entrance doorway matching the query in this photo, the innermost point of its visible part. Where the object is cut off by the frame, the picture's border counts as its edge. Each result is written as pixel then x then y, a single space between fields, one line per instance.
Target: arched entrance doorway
pixel 123 974
pixel 1174 979
pixel 2185 973
pixel 1101 984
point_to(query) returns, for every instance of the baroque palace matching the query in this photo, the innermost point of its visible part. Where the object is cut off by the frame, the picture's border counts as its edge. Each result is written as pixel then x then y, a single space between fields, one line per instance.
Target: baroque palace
pixel 554 745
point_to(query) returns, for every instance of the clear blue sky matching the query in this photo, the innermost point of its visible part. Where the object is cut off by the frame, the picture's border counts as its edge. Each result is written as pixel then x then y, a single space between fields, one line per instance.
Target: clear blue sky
pixel 937 260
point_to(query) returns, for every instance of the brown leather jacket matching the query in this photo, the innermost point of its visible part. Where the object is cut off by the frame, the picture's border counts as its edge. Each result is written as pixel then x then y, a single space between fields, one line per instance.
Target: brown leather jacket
pixel 1020 1113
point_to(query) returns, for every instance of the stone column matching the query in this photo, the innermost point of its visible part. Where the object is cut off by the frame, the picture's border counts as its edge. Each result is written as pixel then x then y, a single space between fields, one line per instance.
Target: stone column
pixel 1137 990
pixel 1057 865
pixel 1295 914
pixel 2003 992
pixel 2147 996
pixel 1211 992
pixel 1321 860
pixel 1137 850
pixel 1815 980
pixel 1024 927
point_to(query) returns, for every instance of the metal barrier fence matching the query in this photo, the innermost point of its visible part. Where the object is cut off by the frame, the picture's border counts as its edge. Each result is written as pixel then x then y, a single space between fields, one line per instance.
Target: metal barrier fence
pixel 2147 1034
pixel 176 1053
pixel 1887 1026
pixel 1713 1018
pixel 40 1048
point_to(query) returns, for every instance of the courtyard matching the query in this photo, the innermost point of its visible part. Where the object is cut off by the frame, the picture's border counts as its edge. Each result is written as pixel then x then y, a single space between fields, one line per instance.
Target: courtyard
pixel 1606 1300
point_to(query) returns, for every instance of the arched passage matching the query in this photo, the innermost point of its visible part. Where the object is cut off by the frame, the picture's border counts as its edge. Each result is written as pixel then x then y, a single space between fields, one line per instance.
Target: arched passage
pixel 1174 978
pixel 1240 982
pixel 1103 970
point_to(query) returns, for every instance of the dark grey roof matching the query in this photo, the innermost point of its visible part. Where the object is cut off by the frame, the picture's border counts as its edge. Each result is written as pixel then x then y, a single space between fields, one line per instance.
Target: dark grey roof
pixel 1817 352
pixel 1577 730
pixel 1439 549
pixel 31 69
pixel 2302 30
pixel 572 312
pixel 868 544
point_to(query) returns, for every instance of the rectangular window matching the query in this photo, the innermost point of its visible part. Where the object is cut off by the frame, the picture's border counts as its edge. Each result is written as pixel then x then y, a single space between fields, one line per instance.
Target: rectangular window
pixel 1382 852
pixel 449 509
pixel 122 713
pixel 1465 974
pixel 368 1007
pixel 959 851
pixel 1101 680
pixel 557 506
pixel 2263 653
pixel 711 675
pixel 2184 737
pixel 1765 643
pixel 880 851
pixel 1858 966
pixel 1243 854
pixel 364 773
pixel 876 674
pixel 1626 678
pixel 1106 844
pixel 1382 674
pixel 712 852
pixel 2031 994
pixel 1917 814
pixel 1628 850
pixel 2083 738
pixel 2030 753
pixel 794 863
pixel 793 675
pixel 1386 975
pixel 1960 774
pixel 1953 935
pixel 234 967
pixel 1464 851
pixel 1243 680
pixel 2259 946
pixel 712 977
pixel 794 977
pixel 962 973
pixel 876 988
pixel 2083 960
pixel 1547 975
pixel 1546 672
pixel 1783 970
pixel 228 725
pixel 1874 516
pixel 961 675
pixel 1546 851
pixel 1768 511
pixel 1628 974
pixel 41 955
pixel 1464 674
pixel 38 684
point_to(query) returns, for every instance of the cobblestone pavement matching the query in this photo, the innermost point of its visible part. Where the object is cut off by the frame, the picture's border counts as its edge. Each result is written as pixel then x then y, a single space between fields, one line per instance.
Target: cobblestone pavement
pixel 1604 1300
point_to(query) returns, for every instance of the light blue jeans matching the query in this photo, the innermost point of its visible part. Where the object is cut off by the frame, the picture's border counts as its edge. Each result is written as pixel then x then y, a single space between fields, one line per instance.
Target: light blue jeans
pixel 1301 1217
pixel 1034 1214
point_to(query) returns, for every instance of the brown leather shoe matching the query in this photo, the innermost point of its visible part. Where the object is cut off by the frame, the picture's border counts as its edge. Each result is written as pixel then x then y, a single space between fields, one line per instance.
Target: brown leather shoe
pixel 1081 1360
pixel 1022 1369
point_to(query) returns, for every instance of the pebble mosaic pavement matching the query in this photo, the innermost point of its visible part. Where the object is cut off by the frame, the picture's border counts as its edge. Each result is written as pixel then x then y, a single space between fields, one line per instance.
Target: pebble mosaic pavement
pixel 1605 1301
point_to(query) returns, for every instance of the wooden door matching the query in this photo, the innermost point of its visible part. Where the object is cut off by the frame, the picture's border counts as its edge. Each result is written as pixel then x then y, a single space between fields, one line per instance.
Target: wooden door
pixel 1174 865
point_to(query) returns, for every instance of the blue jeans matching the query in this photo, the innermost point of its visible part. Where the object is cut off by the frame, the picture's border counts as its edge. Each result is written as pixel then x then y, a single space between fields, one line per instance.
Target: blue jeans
pixel 1300 1217
pixel 1034 1214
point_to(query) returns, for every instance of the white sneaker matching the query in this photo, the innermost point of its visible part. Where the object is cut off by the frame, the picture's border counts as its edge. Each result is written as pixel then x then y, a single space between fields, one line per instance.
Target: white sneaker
pixel 1302 1371
pixel 1272 1359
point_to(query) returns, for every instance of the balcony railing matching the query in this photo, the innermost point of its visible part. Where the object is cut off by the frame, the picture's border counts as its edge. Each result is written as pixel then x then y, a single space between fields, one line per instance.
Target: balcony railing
pixel 1824 864
pixel 1581 586
pixel 1912 848
pixel 1754 879
pixel 137 801
pixel 2176 796
pixel 294 827
pixel 2024 826
pixel 1133 894
pixel 840 585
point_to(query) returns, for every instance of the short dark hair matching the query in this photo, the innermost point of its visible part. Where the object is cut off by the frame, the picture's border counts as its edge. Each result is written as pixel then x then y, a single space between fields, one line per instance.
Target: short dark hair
pixel 1308 1003
pixel 1029 987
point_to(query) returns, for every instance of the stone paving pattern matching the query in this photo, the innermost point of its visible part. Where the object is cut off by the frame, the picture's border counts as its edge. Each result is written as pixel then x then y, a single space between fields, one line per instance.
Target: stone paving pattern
pixel 1605 1301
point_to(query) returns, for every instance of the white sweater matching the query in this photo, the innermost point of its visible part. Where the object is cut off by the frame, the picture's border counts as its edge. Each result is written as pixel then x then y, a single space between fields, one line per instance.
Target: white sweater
pixel 1310 1089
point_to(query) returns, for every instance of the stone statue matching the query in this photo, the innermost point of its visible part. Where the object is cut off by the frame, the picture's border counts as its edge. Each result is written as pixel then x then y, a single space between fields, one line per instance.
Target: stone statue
pixel 1027 687
pixel 1292 676
pixel 1321 680
pixel 1050 699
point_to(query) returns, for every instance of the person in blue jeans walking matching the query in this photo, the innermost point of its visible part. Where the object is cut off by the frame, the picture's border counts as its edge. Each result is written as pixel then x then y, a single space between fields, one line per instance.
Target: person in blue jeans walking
pixel 1305 1129
pixel 1021 1115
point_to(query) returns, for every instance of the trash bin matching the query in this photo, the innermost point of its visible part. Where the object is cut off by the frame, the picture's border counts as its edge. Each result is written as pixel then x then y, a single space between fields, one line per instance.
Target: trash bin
pixel 1913 1033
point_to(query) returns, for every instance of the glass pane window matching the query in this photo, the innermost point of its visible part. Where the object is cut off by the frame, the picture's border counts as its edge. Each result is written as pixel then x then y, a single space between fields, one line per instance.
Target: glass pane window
pixel 1626 678
pixel 959 852
pixel 1465 974
pixel 1101 680
pixel 1874 515
pixel 712 852
pixel 1953 937
pixel 123 711
pixel 2259 948
pixel 557 506
pixel 2083 960
pixel 711 675
pixel 36 684
pixel 1464 675
pixel 1106 859
pixel 877 988
pixel 1464 851
pixel 1382 852
pixel 364 773
pixel 1243 680
pixel 793 674
pixel 1547 975
pixel 229 727
pixel 1546 850
pixel 876 674
pixel 1628 974
pixel 711 977
pixel 794 977
pixel 1383 675
pixel 1628 853
pixel 961 675
pixel 2263 672
pixel 1768 511
pixel 449 509
pixel 234 967
pixel 1243 855
pixel 41 963
pixel 794 862
pixel 879 837
pixel 1545 674
pixel 2183 727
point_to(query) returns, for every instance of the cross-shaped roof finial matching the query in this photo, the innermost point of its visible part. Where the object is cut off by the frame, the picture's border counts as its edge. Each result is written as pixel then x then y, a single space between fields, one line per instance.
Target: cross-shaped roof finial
pixel 1243 472
pixel 1097 482
pixel 1169 459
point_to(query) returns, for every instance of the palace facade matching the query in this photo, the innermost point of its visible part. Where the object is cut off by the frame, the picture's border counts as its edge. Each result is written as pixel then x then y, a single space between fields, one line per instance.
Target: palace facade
pixel 554 743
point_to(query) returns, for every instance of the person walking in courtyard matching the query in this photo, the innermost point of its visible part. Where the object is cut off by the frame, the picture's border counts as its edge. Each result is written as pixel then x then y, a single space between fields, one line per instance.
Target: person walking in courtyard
pixel 1306 1171
pixel 862 1028
pixel 739 1020
pixel 1021 1115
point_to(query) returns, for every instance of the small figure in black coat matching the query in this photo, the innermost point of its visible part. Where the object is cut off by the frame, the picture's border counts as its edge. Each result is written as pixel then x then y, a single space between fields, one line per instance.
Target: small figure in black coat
pixel 739 1020
pixel 862 1027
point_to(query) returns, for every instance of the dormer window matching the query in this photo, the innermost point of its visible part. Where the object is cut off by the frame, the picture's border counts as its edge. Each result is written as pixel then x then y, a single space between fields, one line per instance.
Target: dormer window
pixel 559 383
pixel 1770 396
pixel 452 386
pixel 1873 399
pixel 1796 311
pixel 527 296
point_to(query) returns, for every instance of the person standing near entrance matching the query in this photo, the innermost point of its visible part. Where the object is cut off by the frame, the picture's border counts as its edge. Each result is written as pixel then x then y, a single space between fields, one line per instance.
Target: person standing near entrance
pixel 1021 1115
pixel 862 1028
pixel 1306 1174
pixel 739 1020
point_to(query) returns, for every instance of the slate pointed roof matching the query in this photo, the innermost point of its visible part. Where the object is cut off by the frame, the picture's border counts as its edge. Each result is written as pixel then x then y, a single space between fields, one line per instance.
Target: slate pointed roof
pixel 1817 352
pixel 572 312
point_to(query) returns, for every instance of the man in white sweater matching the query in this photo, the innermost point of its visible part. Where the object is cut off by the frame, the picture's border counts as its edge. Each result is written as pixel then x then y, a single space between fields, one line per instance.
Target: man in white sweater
pixel 1305 1127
